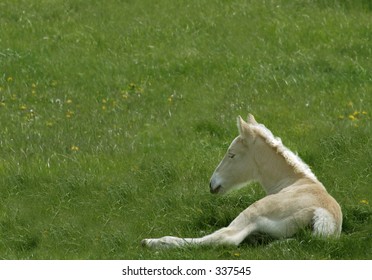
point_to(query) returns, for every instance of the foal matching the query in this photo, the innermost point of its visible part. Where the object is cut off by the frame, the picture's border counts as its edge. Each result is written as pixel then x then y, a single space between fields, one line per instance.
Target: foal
pixel 295 198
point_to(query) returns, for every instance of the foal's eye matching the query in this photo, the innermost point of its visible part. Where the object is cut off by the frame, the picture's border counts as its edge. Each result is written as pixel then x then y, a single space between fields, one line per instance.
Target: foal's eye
pixel 231 155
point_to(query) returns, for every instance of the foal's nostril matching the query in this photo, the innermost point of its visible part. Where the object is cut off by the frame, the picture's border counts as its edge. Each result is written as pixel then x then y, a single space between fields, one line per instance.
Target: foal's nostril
pixel 215 190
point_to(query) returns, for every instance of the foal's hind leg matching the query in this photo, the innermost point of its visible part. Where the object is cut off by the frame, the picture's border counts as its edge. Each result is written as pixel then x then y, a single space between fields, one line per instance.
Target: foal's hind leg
pixel 234 234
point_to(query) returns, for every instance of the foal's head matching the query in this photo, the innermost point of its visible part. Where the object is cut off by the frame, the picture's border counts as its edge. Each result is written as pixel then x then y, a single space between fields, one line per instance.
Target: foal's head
pixel 238 166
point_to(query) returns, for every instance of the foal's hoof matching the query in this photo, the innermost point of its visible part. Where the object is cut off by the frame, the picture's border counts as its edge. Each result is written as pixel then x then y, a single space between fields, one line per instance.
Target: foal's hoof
pixel 145 242
pixel 163 242
pixel 151 243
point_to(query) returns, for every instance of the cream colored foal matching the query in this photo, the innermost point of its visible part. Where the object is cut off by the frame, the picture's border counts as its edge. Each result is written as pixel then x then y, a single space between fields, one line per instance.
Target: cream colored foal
pixel 295 198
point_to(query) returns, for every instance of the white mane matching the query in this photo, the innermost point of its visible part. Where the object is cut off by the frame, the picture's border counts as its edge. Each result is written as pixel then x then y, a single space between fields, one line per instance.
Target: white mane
pixel 291 158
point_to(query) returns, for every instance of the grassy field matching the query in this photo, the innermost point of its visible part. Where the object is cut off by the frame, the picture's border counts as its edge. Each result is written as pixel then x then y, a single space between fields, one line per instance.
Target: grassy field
pixel 114 114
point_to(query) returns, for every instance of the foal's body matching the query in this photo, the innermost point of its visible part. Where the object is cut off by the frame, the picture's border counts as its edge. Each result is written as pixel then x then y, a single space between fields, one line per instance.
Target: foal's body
pixel 295 198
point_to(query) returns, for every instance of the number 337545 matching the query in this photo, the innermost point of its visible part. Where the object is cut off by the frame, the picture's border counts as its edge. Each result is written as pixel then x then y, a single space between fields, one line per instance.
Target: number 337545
pixel 233 270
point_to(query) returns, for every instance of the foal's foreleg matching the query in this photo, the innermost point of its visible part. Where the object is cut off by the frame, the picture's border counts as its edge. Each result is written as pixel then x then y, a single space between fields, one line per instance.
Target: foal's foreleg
pixel 234 234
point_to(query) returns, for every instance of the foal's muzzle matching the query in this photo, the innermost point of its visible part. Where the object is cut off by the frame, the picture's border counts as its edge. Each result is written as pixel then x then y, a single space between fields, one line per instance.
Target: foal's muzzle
pixel 214 190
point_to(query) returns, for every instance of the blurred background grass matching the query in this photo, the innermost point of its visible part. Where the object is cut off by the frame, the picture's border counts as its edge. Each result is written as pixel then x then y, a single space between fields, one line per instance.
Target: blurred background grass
pixel 115 113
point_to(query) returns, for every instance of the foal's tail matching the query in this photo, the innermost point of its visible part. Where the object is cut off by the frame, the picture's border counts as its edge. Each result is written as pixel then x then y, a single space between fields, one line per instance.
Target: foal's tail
pixel 326 224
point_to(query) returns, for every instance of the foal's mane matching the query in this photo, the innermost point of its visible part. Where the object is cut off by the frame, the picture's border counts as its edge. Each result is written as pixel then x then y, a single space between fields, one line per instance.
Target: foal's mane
pixel 291 158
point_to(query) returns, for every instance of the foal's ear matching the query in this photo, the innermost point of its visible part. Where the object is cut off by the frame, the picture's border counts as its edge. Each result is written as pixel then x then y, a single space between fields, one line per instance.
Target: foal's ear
pixel 244 129
pixel 251 119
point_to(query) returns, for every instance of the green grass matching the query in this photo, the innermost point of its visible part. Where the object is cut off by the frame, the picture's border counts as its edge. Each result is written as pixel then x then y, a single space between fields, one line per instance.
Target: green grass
pixel 114 115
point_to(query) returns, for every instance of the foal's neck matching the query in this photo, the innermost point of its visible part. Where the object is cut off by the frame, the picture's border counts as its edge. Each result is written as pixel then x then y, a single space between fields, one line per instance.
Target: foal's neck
pixel 274 173
pixel 277 186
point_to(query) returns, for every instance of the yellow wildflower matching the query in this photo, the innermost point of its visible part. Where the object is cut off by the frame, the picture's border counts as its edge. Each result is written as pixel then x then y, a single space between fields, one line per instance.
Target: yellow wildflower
pixel 68 101
pixel 352 117
pixel 23 107
pixel 9 79
pixel 69 114
pixel 74 148
pixel 364 201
